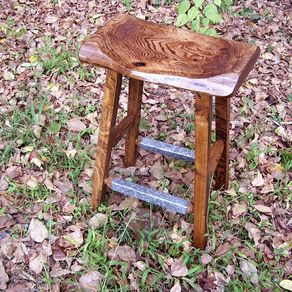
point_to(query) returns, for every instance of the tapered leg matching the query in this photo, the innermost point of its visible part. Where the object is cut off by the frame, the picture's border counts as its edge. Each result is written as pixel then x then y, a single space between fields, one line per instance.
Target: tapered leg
pixel 203 119
pixel 222 113
pixel 134 109
pixel 107 123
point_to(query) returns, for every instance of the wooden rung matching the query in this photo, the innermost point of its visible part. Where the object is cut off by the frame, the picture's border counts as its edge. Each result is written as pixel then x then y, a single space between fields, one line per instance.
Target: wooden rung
pixel 121 129
pixel 216 152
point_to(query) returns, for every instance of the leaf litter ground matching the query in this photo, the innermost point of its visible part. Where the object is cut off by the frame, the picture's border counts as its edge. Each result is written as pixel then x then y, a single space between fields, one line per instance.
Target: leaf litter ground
pixel 50 108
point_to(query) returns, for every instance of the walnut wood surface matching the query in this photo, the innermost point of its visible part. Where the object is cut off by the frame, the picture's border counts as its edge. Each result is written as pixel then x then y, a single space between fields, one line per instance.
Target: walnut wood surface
pixel 121 129
pixel 134 109
pixel 167 55
pixel 216 153
pixel 203 120
pixel 222 119
pixel 106 129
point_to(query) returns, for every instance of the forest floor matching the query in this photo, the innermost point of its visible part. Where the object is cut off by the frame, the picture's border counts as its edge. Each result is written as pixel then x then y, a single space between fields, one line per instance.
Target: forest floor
pixel 50 238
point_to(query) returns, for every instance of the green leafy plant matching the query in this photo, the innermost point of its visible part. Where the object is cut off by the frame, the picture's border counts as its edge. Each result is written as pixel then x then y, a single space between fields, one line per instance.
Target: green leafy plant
pixel 202 14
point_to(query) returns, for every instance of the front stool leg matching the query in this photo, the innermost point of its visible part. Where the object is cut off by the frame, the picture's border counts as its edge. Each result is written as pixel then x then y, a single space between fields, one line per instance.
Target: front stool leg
pixel 134 110
pixel 203 120
pixel 222 116
pixel 109 110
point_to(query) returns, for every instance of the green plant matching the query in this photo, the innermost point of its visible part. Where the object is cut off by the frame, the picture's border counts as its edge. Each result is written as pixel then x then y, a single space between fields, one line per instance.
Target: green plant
pixel 286 158
pixel 202 15
pixel 128 5
pixel 253 155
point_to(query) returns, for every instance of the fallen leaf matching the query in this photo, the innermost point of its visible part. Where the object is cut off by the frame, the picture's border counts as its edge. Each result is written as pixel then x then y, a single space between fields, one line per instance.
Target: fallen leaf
pixel 37 263
pixel 9 76
pixel 3 277
pixel 178 269
pixel 206 259
pixel 176 287
pixel 157 170
pixel 91 281
pixel 263 209
pixel 98 220
pixel 14 171
pixel 76 125
pixel 75 238
pixel 124 252
pixel 55 273
pixel 239 209
pixel 258 181
pixel 249 271
pixel 286 284
pixel 37 230
pixel 129 203
pixel 253 232
pixel 51 19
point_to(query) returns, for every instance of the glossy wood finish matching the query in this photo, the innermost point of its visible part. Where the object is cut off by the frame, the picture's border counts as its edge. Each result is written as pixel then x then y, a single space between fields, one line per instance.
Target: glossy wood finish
pixel 222 117
pixel 104 146
pixel 216 153
pixel 203 120
pixel 121 129
pixel 168 55
pixel 134 109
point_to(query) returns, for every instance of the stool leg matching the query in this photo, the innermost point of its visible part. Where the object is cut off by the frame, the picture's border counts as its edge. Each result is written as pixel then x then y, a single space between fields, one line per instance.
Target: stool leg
pixel 134 109
pixel 107 123
pixel 203 120
pixel 222 114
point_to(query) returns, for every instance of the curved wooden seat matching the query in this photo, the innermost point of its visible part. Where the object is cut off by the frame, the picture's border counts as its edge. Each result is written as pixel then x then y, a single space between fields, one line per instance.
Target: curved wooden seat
pixel 167 55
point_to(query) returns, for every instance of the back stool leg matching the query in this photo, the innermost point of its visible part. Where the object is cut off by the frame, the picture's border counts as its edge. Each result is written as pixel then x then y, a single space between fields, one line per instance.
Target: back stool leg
pixel 222 114
pixel 203 119
pixel 107 123
pixel 134 109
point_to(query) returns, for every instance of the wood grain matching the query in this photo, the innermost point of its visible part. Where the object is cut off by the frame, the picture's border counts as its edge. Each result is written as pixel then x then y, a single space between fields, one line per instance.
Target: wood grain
pixel 203 119
pixel 216 153
pixel 168 55
pixel 121 129
pixel 134 109
pixel 104 146
pixel 222 119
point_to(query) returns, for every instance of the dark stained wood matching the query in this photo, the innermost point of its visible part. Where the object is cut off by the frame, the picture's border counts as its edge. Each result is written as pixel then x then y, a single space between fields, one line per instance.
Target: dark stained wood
pixel 216 153
pixel 121 129
pixel 203 120
pixel 168 55
pixel 222 117
pixel 134 109
pixel 107 124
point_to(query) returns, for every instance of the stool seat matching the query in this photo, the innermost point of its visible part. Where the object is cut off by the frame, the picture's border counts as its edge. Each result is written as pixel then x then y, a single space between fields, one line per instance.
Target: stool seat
pixel 171 56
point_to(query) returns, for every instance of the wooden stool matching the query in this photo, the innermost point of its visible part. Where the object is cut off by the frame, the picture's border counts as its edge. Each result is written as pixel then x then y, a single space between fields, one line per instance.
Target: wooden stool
pixel 146 51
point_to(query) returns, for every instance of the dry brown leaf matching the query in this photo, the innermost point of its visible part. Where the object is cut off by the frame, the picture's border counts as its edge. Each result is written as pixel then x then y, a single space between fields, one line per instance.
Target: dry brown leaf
pixel 76 125
pixel 286 284
pixel 206 259
pixel 253 232
pixel 124 252
pixel 91 281
pixel 176 287
pixel 37 230
pixel 36 264
pixel 249 271
pixel 178 268
pixel 75 238
pixel 258 181
pixel 263 209
pixel 157 170
pixel 51 19
pixel 239 209
pixel 3 277
pixel 98 220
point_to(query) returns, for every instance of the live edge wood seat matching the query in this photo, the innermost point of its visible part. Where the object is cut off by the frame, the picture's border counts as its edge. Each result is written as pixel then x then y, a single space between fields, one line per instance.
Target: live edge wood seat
pixel 145 51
